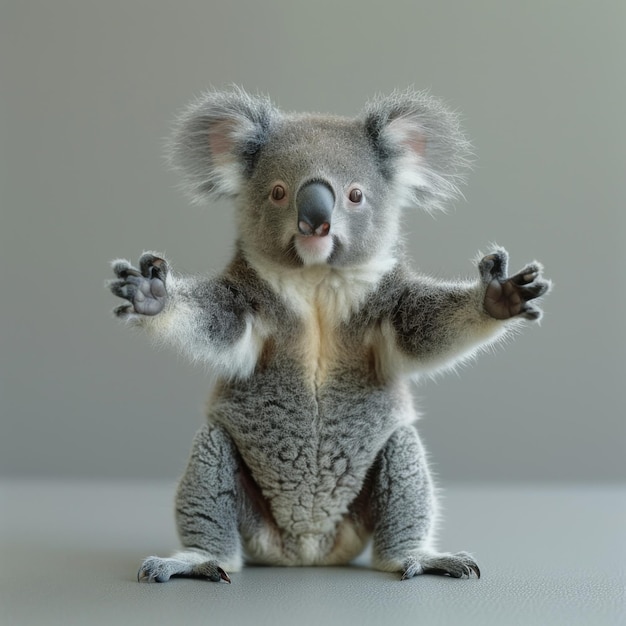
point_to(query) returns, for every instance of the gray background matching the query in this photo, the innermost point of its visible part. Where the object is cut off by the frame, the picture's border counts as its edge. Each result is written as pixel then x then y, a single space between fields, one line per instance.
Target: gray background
pixel 88 92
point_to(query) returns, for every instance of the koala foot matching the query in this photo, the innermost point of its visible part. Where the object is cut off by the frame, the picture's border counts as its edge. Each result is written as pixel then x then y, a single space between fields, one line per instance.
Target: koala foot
pixel 457 565
pixel 156 569
pixel 144 288
pixel 509 296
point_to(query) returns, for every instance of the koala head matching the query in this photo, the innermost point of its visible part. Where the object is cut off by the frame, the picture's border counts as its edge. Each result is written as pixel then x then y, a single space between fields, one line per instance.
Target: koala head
pixel 319 189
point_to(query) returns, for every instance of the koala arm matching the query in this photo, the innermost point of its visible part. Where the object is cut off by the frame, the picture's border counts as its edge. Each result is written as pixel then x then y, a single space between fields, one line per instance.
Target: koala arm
pixel 210 320
pixel 435 325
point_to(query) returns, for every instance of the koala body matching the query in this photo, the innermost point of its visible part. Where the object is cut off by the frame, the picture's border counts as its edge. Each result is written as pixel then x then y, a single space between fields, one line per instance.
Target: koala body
pixel 314 330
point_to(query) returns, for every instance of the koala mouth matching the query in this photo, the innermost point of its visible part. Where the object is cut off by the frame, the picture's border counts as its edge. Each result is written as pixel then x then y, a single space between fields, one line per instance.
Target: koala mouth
pixel 313 250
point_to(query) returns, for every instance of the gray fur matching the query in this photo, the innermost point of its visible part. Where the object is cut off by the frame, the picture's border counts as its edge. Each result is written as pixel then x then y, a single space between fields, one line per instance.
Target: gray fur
pixel 309 450
pixel 446 150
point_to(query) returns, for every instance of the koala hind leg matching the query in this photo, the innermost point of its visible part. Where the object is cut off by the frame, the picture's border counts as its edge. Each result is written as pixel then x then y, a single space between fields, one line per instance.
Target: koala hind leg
pixel 207 514
pixel 404 511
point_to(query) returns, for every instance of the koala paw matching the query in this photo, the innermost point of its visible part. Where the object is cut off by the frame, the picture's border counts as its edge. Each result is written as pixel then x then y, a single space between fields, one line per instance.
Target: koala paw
pixel 457 565
pixel 156 569
pixel 509 296
pixel 144 288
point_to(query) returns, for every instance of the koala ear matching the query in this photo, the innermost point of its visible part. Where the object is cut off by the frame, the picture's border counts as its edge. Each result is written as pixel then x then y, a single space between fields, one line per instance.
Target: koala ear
pixel 217 139
pixel 420 147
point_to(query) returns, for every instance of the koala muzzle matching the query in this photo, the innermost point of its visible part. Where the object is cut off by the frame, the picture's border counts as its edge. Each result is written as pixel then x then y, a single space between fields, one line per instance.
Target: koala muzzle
pixel 315 202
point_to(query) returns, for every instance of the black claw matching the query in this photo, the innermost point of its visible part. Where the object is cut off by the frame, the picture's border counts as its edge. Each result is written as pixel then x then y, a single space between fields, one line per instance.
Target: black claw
pixel 526 276
pixel 126 272
pixel 223 575
pixel 531 313
pixel 123 311
pixel 494 265
pixel 122 290
pixel 476 570
pixel 533 290
pixel 152 266
pixel 143 576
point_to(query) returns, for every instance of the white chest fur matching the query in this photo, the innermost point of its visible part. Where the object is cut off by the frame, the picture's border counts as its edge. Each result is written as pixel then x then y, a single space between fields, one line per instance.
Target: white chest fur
pixel 323 297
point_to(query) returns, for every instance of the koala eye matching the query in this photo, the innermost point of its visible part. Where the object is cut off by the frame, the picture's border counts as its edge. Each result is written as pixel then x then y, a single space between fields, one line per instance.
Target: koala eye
pixel 278 192
pixel 355 196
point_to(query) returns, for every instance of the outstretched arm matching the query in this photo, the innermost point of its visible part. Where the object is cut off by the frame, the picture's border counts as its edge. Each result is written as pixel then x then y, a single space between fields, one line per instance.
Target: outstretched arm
pixel 435 325
pixel 209 319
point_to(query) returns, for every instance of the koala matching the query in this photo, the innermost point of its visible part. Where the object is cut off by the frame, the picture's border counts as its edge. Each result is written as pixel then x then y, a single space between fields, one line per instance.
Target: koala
pixel 314 331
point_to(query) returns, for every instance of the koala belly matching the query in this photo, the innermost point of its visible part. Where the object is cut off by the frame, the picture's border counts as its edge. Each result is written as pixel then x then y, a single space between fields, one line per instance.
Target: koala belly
pixel 306 500
pixel 307 445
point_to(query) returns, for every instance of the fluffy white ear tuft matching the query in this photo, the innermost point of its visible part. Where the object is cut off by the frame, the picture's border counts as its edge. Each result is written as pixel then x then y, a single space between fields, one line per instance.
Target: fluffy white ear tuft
pixel 420 146
pixel 217 139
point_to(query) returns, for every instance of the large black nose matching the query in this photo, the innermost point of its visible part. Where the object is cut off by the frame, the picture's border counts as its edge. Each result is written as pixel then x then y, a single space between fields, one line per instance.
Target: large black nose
pixel 315 202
